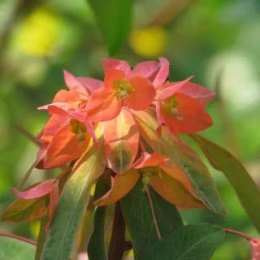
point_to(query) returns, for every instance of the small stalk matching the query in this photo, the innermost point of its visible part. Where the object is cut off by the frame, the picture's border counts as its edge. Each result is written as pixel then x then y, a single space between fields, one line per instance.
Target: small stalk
pixel 23 239
pixel 153 213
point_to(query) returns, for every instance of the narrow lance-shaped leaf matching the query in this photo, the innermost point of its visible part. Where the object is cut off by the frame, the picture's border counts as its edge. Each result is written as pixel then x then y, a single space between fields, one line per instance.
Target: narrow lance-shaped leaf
pixel 244 186
pixel 189 242
pixel 182 157
pixel 96 247
pixel 114 19
pixel 61 237
pixel 139 218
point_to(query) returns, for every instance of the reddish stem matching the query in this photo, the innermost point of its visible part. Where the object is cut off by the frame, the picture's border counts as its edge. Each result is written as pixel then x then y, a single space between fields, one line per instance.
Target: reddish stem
pixel 24 239
pixel 234 232
pixel 117 243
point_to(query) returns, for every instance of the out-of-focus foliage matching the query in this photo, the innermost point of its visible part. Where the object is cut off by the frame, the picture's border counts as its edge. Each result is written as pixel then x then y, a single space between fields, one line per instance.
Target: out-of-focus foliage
pixel 217 41
pixel 9 248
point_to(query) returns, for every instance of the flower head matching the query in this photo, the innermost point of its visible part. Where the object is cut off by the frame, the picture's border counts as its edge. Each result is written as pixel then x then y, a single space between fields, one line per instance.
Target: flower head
pixel 125 111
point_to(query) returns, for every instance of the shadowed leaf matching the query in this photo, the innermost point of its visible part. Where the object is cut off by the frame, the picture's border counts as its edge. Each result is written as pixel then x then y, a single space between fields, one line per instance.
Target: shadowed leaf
pixel 244 186
pixel 96 247
pixel 139 219
pixel 189 242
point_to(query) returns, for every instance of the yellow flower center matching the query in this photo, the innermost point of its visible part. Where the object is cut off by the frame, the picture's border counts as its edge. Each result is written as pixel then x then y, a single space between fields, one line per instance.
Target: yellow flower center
pixel 123 88
pixel 78 129
pixel 170 106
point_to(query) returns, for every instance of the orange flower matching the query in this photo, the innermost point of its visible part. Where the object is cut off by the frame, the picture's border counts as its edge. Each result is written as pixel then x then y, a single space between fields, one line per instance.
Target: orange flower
pixel 181 107
pixel 67 134
pixel 122 111
pixel 122 88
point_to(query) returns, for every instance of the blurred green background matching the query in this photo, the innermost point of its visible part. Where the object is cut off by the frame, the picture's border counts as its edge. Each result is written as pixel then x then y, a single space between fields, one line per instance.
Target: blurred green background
pixel 218 41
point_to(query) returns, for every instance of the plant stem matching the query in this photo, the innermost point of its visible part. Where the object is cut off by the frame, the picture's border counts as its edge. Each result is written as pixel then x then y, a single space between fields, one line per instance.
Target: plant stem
pixel 117 243
pixel 234 232
pixel 27 134
pixel 153 213
pixel 24 239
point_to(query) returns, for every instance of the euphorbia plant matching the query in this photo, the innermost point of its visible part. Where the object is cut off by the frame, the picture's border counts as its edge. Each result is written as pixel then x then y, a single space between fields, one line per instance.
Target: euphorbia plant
pixel 121 138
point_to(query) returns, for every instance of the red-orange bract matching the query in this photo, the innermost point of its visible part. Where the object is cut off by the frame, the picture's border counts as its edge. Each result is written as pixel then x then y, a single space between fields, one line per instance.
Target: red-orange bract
pixel 112 106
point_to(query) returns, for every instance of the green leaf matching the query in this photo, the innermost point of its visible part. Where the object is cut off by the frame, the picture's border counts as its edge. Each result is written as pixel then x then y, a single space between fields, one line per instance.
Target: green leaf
pixel 139 220
pixel 114 18
pixel 96 247
pixel 26 210
pixel 183 157
pixel 13 249
pixel 189 242
pixel 60 241
pixel 244 186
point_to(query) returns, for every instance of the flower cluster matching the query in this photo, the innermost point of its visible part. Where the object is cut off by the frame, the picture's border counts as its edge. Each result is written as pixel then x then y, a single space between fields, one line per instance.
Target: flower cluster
pixel 133 110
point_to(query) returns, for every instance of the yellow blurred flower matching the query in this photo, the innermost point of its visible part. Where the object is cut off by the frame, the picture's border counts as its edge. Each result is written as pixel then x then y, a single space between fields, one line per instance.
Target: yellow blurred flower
pixel 38 34
pixel 149 42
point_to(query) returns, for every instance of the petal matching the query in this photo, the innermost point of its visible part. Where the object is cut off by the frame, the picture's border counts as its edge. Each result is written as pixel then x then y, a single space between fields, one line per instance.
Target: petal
pixel 79 114
pixel 203 95
pixel 121 185
pixel 64 148
pixel 170 89
pixel 54 198
pixel 65 101
pixel 121 138
pixel 59 108
pixel 174 192
pixel 178 174
pixel 150 160
pixel 117 64
pixel 111 76
pixel 53 125
pixel 72 82
pixel 192 118
pixel 102 106
pixel 39 163
pixel 71 96
pixel 163 73
pixel 35 192
pixel 91 130
pixel 159 116
pixel 142 95
pixel 90 84
pixel 146 69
